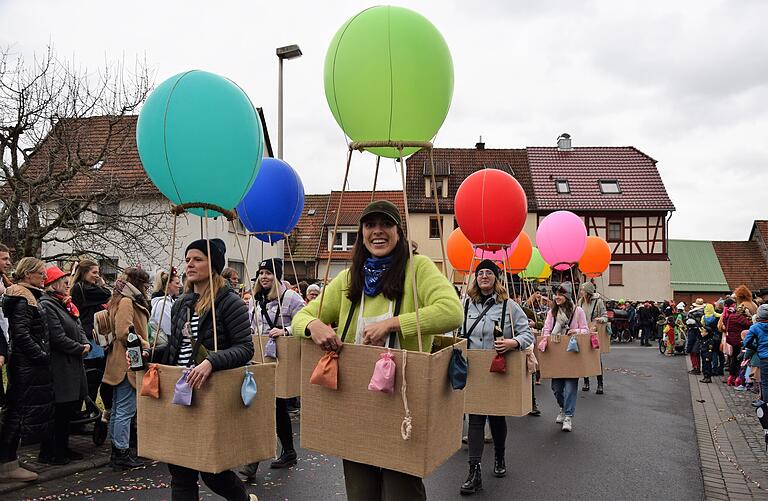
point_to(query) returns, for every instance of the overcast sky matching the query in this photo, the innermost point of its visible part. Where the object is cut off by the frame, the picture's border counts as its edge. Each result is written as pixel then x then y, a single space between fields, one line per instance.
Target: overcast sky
pixel 686 82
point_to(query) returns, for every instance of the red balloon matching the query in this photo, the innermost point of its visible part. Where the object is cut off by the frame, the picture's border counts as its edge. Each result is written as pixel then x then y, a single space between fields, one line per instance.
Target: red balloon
pixel 491 208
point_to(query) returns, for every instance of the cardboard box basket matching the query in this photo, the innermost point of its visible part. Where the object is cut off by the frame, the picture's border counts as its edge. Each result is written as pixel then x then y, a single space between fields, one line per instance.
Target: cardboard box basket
pixel 493 394
pixel 217 432
pixel 288 373
pixel 556 362
pixel 370 421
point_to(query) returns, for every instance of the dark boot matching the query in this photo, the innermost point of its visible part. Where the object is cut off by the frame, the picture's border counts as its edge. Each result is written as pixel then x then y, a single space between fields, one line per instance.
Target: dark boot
pixel 535 411
pixel 123 459
pixel 707 379
pixel 474 482
pixel 286 460
pixel 499 465
pixel 586 384
pixel 250 470
pixel 599 390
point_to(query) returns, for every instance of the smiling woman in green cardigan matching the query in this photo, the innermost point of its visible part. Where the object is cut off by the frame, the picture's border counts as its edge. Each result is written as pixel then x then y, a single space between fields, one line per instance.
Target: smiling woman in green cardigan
pixel 375 296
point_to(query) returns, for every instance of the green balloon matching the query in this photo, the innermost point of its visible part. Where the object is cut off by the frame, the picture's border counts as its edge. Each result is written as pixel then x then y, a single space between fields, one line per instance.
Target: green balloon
pixel 535 266
pixel 389 77
pixel 200 140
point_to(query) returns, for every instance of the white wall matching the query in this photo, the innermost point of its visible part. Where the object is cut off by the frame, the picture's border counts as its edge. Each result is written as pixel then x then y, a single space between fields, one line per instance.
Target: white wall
pixel 642 280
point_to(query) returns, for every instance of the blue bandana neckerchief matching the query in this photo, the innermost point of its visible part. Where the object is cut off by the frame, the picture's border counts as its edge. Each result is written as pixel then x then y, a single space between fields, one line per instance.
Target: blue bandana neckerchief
pixel 374 268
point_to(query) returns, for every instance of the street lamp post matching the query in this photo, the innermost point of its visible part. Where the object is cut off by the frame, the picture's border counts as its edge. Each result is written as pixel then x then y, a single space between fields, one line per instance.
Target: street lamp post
pixel 287 52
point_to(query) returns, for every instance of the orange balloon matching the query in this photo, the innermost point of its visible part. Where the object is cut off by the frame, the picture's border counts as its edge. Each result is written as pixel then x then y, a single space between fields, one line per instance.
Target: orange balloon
pixel 596 257
pixel 459 250
pixel 521 256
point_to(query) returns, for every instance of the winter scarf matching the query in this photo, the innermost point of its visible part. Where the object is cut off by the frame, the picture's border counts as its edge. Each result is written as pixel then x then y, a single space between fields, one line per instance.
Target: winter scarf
pixel 128 290
pixel 374 269
pixel 67 302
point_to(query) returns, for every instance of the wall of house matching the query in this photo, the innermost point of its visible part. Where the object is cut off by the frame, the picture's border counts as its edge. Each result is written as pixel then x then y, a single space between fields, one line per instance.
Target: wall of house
pixel 188 229
pixel 642 280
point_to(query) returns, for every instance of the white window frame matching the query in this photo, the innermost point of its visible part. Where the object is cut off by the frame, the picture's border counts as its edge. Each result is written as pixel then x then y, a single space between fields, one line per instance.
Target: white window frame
pixel 344 232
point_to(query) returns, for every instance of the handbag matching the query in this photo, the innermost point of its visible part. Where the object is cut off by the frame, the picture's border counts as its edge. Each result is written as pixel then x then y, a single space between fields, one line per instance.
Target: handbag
pixel 248 389
pixel 182 393
pixel 326 372
pixel 457 370
pixel 499 364
pixel 573 344
pixel 270 349
pixel 383 378
pixel 150 384
pixel 594 340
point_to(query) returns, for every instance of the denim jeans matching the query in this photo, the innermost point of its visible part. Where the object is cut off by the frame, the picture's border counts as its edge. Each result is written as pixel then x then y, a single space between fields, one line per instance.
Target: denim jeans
pixel 565 390
pixel 123 410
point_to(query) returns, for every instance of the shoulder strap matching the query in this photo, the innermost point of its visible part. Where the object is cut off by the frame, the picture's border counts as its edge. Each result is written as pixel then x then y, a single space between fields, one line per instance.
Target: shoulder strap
pixel 477 320
pixel 349 321
pixel 503 314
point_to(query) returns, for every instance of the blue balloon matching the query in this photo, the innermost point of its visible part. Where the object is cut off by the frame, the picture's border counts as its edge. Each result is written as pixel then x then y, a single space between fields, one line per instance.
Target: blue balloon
pixel 200 140
pixel 274 203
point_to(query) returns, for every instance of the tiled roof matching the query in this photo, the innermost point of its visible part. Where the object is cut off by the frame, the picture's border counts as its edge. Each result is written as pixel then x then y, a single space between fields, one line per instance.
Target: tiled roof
pixel 695 267
pixel 108 138
pixel 354 203
pixel 742 264
pixel 462 162
pixel 761 226
pixel 641 186
pixel 306 236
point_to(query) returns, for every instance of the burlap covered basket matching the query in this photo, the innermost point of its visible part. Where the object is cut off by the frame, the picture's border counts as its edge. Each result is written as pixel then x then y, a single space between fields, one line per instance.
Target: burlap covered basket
pixel 368 424
pixel 288 373
pixel 217 432
pixel 556 362
pixel 494 394
pixel 602 335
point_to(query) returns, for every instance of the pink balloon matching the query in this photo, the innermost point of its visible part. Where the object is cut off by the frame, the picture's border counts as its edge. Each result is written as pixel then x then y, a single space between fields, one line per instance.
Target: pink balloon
pixel 561 239
pixel 498 255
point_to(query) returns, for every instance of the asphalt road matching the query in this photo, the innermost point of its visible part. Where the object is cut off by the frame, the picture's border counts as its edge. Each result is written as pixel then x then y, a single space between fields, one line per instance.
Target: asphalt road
pixel 635 442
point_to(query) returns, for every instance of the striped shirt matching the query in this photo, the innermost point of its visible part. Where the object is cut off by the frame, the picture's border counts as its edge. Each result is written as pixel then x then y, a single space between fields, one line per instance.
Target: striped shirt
pixel 185 350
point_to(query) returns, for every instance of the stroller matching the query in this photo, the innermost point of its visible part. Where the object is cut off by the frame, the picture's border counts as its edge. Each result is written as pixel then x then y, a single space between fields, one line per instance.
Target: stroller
pixel 91 414
pixel 619 320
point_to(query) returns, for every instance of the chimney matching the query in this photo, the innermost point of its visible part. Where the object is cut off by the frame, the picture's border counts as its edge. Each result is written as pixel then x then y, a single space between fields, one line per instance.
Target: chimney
pixel 480 145
pixel 564 142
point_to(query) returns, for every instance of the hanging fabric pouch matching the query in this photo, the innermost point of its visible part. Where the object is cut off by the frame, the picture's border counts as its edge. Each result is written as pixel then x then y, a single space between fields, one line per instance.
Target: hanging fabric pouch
pixel 543 344
pixel 499 364
pixel 573 344
pixel 182 393
pixel 270 349
pixel 383 378
pixel 150 384
pixel 595 342
pixel 326 371
pixel 457 370
pixel 248 390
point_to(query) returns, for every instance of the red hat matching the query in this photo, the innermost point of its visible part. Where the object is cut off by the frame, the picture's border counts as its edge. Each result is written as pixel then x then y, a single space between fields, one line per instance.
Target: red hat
pixel 52 274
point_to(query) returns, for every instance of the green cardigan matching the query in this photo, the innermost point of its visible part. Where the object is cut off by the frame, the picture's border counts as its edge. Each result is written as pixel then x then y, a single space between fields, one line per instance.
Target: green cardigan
pixel 439 306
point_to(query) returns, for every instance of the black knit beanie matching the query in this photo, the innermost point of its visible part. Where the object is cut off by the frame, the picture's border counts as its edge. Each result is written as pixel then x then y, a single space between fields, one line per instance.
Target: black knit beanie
pixel 267 265
pixel 218 251
pixel 487 264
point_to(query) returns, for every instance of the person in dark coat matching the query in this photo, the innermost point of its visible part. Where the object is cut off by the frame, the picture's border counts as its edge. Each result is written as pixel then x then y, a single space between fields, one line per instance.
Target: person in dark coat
pixel 235 349
pixel 90 294
pixel 68 347
pixel 29 401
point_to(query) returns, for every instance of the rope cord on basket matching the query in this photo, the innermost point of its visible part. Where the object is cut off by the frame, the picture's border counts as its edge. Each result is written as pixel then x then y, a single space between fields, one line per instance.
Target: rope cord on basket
pixel 333 235
pixel 437 209
pixel 250 285
pixel 375 178
pixel 210 284
pixel 167 284
pixel 406 427
pixel 410 252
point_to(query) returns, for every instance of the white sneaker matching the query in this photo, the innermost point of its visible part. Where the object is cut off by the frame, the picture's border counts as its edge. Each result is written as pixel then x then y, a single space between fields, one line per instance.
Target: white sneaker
pixel 560 416
pixel 568 423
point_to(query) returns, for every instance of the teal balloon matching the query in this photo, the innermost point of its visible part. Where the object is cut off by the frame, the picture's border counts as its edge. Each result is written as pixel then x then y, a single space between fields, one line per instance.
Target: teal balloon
pixel 200 140
pixel 389 77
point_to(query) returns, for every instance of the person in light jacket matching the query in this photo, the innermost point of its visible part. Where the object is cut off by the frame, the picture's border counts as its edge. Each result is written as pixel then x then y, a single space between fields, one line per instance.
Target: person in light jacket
pixel 595 312
pixel 565 319
pixel 487 306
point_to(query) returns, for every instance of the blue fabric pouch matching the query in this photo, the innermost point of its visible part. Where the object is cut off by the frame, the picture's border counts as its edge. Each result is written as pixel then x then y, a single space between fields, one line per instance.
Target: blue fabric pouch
pixel 248 390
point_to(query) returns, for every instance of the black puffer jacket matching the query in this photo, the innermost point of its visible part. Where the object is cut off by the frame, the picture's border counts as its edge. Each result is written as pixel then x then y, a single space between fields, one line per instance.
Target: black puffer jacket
pixel 67 340
pixel 89 299
pixel 232 325
pixel 30 387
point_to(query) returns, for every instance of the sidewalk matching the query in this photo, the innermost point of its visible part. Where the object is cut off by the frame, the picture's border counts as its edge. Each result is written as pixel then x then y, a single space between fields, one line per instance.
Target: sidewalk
pixel 95 457
pixel 734 463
